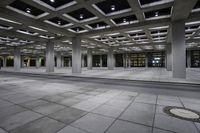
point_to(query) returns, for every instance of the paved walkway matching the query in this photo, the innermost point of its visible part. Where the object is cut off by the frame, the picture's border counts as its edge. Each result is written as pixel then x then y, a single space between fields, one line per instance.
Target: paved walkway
pixel 147 74
pixel 47 106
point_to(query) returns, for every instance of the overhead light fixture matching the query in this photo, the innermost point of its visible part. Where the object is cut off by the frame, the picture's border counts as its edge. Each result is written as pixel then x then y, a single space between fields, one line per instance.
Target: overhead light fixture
pixel 28 10
pixel 156 14
pixel 11 21
pixel 124 20
pixel 59 22
pixel 52 1
pixel 112 7
pixel 81 16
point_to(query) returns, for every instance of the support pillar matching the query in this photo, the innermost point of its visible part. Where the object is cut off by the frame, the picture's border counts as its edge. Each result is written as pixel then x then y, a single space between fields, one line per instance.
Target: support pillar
pixel 4 61
pixel 17 59
pixel 147 61
pixel 37 61
pixel 62 61
pixel 169 57
pixel 101 61
pixel 83 60
pixel 178 49
pixel 188 58
pixel 58 60
pixel 110 60
pixel 50 62
pixel 129 60
pixel 89 59
pixel 76 55
pixel 124 61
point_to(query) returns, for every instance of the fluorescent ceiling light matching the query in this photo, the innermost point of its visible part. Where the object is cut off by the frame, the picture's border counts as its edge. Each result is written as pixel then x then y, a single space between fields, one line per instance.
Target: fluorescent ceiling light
pixel 8 20
pixel 38 28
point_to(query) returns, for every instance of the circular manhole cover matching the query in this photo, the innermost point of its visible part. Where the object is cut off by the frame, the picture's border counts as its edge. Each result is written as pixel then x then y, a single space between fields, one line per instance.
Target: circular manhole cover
pixel 182 113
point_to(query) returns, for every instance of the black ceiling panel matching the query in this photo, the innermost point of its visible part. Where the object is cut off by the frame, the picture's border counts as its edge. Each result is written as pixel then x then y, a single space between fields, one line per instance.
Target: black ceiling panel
pixel 77 29
pixel 144 2
pixel 82 11
pixel 197 5
pixel 58 21
pixel 20 5
pixel 158 31
pixel 126 18
pixel 137 34
pixel 160 12
pixel 105 6
pixel 5 26
pixel 57 3
pixel 98 24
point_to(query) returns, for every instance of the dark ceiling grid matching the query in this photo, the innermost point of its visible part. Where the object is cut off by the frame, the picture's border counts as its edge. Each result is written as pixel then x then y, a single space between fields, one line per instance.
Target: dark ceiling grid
pixel 82 3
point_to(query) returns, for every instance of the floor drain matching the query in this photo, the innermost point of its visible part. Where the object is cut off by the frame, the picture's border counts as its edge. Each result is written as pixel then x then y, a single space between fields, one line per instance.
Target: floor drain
pixel 182 113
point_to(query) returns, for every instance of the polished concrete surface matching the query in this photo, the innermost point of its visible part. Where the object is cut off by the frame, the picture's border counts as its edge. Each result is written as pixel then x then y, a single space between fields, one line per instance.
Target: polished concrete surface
pixel 42 105
pixel 146 74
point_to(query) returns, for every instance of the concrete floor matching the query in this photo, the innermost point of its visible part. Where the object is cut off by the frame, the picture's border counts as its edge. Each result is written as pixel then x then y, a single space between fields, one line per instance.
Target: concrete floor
pixel 41 105
pixel 147 74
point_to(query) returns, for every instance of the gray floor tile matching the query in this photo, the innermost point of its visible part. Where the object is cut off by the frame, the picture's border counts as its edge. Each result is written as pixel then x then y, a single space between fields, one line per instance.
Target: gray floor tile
pixel 70 129
pixel 68 115
pixel 108 110
pixel 87 105
pixel 34 103
pixel 146 98
pixel 140 113
pixel 70 101
pixel 18 119
pixel 43 125
pixel 54 98
pixel 48 108
pixel 93 123
pixel 5 104
pixel 127 127
pixel 10 110
pixel 155 130
pixel 174 124
pixel 2 131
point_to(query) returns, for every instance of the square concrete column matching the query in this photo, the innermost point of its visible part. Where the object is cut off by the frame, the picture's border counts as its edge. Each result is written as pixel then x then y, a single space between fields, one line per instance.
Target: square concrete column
pixel 147 60
pixel 17 59
pixel 50 62
pixel 62 61
pixel 169 57
pixel 124 61
pixel 188 58
pixel 76 55
pixel 129 60
pixel 4 61
pixel 89 59
pixel 83 60
pixel 178 49
pixel 101 61
pixel 58 60
pixel 110 60
pixel 38 62
pixel 22 61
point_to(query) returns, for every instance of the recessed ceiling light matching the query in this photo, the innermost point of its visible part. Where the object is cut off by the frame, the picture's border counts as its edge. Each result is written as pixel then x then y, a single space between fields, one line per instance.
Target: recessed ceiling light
pixel 28 10
pixel 156 14
pixel 59 22
pixel 52 1
pixel 124 20
pixel 81 16
pixel 112 7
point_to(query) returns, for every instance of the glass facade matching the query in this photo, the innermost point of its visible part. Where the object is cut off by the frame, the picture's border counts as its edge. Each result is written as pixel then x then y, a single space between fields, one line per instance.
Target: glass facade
pixel 195 58
pixel 138 59
pixel 156 59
